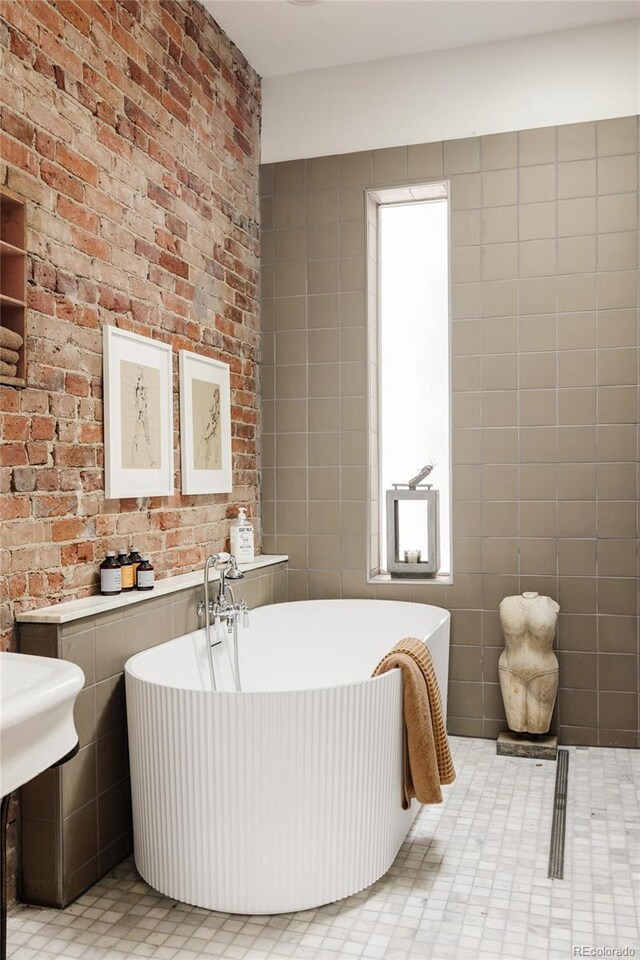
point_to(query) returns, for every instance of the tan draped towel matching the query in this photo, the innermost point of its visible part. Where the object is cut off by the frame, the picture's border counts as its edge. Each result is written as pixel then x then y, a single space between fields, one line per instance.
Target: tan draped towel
pixel 10 339
pixel 8 369
pixel 427 759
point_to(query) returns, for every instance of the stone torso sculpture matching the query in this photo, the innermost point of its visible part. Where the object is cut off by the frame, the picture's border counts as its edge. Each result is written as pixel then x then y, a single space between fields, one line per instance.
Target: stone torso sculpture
pixel 528 666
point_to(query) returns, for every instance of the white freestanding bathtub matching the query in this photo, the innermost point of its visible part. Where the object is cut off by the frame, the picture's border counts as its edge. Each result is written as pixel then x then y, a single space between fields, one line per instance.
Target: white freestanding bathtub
pixel 287 795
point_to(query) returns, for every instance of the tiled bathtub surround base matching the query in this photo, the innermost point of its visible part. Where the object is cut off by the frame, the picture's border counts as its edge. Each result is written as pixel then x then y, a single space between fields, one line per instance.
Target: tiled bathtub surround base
pixel 76 819
pixel 470 882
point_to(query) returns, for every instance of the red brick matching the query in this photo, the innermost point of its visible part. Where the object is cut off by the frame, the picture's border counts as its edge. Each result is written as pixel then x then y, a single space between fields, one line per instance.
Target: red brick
pixel 70 529
pixel 69 479
pixel 124 39
pixel 55 582
pixel 21 47
pixel 37 584
pixel 44 275
pixel 48 16
pixel 77 164
pixel 167 240
pixel 78 214
pixel 105 526
pixel 63 406
pixel 76 384
pixel 97 11
pixel 33 401
pixel 91 433
pixel 87 291
pixel 13 455
pixel 61 54
pixel 74 14
pixel 66 283
pixel 117 144
pixel 17 127
pixel 65 309
pixel 41 301
pixel 14 508
pixel 17 586
pixel 38 451
pixel 47 479
pixel 9 399
pixel 114 300
pixel 54 506
pixel 67 431
pixel 144 79
pixel 74 553
pixel 175 108
pixel 42 428
pixel 90 245
pixel 56 178
pixel 140 118
pixel 16 153
pixel 15 428
pixel 45 145
pixel 174 264
pixel 87 317
pixel 69 455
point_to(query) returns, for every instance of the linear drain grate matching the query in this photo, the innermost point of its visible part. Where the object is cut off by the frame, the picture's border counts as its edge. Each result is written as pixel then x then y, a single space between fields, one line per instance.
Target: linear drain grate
pixel 559 823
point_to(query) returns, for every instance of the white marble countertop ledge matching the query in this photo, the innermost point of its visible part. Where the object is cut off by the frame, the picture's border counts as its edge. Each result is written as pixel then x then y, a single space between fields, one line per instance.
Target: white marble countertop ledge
pixel 90 606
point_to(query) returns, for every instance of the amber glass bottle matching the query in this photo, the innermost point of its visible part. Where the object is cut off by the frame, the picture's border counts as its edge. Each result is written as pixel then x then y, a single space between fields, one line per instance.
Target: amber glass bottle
pixel 128 570
pixel 136 559
pixel 110 575
pixel 145 574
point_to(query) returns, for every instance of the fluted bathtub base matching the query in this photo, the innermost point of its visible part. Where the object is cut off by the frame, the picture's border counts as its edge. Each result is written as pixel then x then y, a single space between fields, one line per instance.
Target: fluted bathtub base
pixel 268 801
pixel 300 806
pixel 264 906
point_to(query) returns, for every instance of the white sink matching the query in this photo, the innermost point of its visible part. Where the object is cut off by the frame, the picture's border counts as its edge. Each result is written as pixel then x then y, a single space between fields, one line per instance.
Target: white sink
pixel 36 715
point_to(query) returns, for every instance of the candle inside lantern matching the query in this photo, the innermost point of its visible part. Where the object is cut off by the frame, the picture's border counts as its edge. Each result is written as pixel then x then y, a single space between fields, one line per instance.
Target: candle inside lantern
pixel 412 556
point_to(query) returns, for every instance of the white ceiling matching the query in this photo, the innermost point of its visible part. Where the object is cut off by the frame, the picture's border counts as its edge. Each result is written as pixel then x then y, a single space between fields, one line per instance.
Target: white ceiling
pixel 279 37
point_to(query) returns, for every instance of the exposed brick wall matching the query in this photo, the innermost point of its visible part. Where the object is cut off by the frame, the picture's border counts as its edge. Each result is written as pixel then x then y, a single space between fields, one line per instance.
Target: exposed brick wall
pixel 132 131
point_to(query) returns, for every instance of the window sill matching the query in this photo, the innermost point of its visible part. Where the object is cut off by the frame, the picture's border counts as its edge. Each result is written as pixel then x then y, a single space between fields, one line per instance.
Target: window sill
pixel 439 580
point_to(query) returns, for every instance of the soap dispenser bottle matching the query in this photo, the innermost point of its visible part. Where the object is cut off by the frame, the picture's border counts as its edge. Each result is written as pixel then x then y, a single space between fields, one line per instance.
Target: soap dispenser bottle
pixel 242 538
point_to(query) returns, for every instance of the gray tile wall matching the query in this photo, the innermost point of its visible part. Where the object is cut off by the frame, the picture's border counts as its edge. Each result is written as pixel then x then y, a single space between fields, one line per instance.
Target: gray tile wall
pixel 544 230
pixel 76 819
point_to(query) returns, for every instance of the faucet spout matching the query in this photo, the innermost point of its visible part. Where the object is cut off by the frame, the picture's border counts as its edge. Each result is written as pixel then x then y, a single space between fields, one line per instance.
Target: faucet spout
pixel 222 609
pixel 210 561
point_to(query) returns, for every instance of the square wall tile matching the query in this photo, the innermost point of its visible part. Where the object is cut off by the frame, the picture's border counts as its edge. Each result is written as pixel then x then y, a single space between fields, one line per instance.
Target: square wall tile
pixel 537 146
pixel 576 141
pixel 617 136
pixel 425 160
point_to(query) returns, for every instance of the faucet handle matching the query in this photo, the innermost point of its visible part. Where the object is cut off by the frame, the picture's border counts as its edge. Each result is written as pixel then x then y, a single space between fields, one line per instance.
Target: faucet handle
pixel 242 610
pixel 232 570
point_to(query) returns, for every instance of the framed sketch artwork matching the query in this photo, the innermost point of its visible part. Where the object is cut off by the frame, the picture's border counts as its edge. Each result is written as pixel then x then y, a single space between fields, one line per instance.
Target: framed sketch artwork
pixel 205 424
pixel 138 415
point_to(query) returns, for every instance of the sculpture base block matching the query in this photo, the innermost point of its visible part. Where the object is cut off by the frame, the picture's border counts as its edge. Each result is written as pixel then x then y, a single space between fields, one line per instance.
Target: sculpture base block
pixel 534 746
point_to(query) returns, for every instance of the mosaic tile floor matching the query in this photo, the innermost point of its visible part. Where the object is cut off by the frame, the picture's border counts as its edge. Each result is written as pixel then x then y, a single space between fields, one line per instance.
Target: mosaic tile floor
pixel 470 881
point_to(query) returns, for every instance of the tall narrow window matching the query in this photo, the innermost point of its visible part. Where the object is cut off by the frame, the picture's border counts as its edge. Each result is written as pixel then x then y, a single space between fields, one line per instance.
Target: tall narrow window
pixel 409 372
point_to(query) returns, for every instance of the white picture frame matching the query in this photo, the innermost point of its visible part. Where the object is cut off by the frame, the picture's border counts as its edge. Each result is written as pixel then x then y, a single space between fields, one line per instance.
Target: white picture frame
pixel 205 424
pixel 138 415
